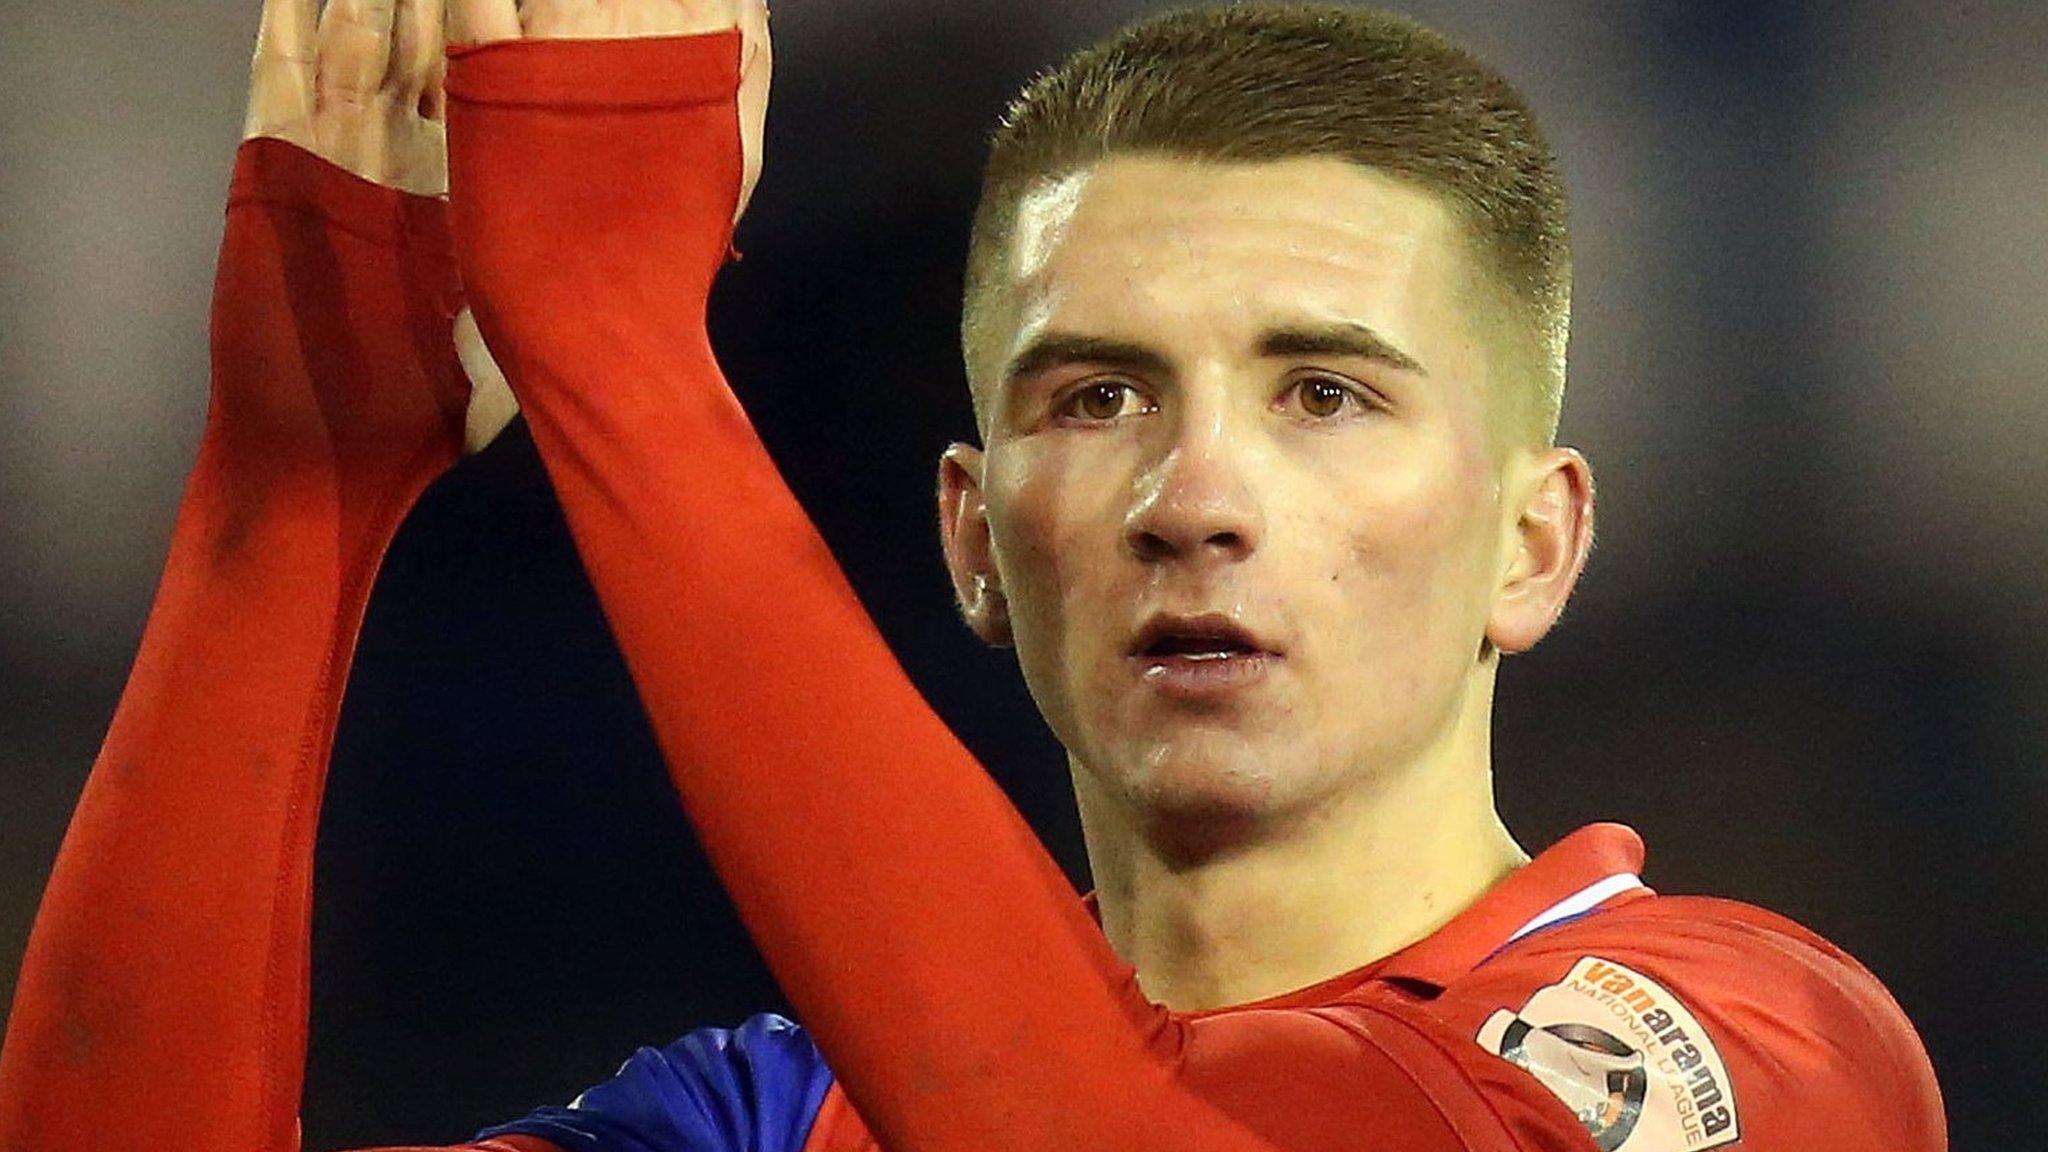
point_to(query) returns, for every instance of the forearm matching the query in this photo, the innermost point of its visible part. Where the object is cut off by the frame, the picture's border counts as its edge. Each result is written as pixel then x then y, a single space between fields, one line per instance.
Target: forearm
pixel 954 981
pixel 164 988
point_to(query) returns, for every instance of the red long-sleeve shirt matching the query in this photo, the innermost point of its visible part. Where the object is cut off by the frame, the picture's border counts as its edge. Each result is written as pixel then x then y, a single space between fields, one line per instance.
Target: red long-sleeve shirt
pixel 963 997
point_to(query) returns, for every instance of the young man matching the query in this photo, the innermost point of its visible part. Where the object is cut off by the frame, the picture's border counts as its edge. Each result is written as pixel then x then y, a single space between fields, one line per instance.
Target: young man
pixel 1265 321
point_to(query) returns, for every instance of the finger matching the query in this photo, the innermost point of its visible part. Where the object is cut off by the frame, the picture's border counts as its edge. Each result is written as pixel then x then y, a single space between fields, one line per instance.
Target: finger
pixel 287 29
pixel 433 101
pixel 355 48
pixel 415 45
pixel 482 21
pixel 281 72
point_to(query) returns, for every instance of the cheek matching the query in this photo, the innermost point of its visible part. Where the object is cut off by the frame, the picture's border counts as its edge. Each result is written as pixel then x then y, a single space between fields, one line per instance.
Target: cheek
pixel 1053 522
pixel 1411 565
pixel 1039 533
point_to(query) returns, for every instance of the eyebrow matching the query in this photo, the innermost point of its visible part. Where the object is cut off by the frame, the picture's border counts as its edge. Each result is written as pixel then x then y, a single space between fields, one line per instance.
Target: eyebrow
pixel 1341 338
pixel 1053 349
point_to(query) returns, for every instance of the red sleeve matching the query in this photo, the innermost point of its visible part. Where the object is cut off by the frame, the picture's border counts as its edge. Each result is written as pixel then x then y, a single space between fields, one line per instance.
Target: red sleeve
pixel 162 999
pixel 1722 1026
pixel 957 986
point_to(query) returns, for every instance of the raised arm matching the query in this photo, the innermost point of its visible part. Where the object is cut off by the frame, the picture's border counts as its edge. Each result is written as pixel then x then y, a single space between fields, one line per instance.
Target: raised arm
pixel 952 978
pixel 162 1000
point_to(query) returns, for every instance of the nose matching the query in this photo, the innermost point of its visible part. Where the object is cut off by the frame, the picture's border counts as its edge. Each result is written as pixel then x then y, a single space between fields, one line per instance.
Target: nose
pixel 1197 503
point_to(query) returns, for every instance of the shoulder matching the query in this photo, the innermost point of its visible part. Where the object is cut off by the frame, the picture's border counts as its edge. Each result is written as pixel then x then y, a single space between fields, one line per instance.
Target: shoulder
pixel 1744 966
pixel 1722 1021
pixel 757 1087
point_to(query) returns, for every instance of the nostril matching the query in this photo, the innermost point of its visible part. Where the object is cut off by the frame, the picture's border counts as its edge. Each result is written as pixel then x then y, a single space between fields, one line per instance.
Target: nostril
pixel 1150 546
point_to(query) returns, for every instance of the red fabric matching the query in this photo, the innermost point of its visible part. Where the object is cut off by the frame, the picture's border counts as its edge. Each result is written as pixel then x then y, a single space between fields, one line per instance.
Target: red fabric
pixel 1817 1054
pixel 162 999
pixel 960 991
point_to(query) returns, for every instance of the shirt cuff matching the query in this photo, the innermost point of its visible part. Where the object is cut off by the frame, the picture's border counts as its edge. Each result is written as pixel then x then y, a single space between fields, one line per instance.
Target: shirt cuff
pixel 620 72
pixel 269 170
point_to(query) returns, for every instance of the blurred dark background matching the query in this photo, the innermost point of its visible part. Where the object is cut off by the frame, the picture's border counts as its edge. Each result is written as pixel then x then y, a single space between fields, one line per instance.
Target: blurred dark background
pixel 1808 661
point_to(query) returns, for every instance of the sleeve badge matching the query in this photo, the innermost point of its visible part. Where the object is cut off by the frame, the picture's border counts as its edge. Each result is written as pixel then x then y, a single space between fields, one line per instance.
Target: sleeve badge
pixel 1625 1056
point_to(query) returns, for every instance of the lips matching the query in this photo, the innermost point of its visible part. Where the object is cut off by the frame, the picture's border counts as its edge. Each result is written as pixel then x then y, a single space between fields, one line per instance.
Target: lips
pixel 1209 636
pixel 1203 661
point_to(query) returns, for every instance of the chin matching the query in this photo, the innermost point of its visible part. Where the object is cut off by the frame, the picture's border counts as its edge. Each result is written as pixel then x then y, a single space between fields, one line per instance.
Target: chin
pixel 1209 792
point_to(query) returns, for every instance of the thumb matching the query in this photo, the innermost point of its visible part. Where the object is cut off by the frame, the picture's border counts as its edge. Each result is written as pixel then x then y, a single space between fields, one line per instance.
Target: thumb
pixel 757 63
pixel 491 403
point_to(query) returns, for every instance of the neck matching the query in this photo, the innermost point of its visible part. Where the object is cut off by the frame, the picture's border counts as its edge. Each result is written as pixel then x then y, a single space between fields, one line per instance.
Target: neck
pixel 1294 901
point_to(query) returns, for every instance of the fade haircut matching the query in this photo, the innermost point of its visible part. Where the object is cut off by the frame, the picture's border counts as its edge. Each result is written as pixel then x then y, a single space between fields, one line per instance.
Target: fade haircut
pixel 1262 81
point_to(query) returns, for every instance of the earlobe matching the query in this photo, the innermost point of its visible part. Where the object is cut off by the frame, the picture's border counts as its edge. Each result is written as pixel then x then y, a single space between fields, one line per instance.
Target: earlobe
pixel 1546 550
pixel 970 555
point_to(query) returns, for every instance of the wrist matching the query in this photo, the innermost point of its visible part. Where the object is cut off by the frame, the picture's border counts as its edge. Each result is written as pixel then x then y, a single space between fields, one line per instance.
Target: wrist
pixel 592 170
pixel 597 74
pixel 272 171
pixel 332 331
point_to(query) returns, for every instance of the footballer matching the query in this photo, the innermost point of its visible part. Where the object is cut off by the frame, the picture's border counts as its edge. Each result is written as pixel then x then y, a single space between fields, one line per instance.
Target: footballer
pixel 1265 322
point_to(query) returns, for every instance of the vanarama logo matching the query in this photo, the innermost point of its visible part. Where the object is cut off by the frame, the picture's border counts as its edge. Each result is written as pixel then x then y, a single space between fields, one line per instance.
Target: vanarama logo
pixel 1625 1056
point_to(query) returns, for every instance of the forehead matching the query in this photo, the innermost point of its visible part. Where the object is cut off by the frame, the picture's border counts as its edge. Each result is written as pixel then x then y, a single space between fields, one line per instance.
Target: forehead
pixel 1156 246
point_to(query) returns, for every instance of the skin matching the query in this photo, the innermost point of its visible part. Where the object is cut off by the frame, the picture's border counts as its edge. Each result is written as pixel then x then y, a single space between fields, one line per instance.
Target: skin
pixel 359 84
pixel 1357 509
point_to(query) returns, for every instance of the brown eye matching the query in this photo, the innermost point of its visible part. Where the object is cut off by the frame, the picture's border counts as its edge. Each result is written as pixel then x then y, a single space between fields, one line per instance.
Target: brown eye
pixel 1104 401
pixel 1322 397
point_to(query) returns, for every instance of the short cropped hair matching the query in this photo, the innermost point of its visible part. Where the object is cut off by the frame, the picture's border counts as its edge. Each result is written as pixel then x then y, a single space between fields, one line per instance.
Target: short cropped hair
pixel 1263 81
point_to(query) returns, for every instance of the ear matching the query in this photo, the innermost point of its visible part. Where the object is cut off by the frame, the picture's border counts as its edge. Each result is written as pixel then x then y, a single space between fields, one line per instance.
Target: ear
pixel 970 557
pixel 1546 548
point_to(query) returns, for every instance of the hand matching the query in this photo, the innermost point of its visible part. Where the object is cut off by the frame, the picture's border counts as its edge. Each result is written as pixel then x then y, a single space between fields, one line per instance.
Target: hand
pixel 488 21
pixel 358 85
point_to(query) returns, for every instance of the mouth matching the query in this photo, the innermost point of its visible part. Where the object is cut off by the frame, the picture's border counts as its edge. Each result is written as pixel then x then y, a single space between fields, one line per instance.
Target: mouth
pixel 1201 657
pixel 1209 636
